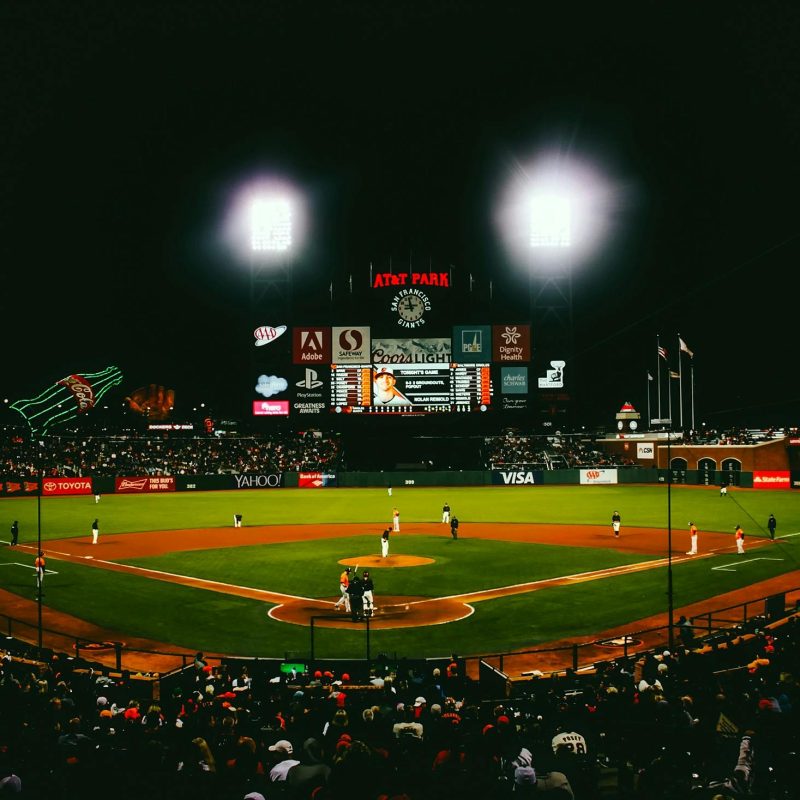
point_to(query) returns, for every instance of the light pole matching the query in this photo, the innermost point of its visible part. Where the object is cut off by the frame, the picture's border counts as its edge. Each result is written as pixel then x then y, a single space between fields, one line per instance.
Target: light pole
pixel 39 578
pixel 670 608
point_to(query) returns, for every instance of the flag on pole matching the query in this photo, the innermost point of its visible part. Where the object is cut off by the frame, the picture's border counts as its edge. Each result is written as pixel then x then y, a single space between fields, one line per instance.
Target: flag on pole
pixel 662 351
pixel 674 374
pixel 685 348
pixel 649 377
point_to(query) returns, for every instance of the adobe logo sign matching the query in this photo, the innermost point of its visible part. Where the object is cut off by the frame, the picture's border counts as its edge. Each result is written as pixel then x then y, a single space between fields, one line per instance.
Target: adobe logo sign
pixel 311 345
pixel 350 345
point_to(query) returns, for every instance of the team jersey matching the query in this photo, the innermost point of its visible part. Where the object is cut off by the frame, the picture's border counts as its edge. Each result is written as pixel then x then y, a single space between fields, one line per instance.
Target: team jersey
pixel 573 742
pixel 344 579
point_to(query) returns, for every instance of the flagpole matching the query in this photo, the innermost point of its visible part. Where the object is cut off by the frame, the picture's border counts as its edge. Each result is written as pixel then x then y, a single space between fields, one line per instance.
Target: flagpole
pixel 669 395
pixel 649 415
pixel 658 374
pixel 691 374
pixel 680 380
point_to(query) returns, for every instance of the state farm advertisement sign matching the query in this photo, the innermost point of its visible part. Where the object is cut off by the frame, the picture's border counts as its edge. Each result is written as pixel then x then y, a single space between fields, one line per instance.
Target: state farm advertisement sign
pixel 315 480
pixel 771 480
pixel 596 476
pixel 159 483
pixel 54 486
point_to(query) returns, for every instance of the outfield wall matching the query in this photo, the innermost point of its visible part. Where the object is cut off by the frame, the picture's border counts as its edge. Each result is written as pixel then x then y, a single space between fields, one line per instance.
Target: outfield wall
pixel 11 486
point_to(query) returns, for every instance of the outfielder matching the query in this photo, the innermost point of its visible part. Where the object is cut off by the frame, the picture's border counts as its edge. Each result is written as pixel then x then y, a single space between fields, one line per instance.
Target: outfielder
pixel 369 600
pixel 344 585
pixel 385 542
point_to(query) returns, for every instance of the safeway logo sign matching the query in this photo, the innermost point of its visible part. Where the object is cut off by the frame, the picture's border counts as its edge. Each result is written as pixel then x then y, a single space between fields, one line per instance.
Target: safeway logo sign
pixel 598 476
pixel 350 345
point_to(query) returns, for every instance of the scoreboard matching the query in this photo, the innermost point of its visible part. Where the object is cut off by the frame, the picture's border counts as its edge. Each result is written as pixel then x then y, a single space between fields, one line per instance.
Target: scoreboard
pixel 418 388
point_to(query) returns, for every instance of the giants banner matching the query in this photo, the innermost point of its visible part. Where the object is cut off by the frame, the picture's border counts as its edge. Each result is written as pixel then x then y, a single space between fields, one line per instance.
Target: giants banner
pixel 771 480
pixel 315 480
pixel 161 483
pixel 58 486
pixel 591 477
pixel 18 486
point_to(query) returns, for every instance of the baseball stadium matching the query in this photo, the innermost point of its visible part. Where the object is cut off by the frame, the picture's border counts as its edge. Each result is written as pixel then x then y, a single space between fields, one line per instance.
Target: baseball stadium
pixel 398 403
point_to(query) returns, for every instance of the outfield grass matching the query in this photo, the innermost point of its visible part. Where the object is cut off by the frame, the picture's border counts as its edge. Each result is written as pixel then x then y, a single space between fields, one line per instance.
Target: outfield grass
pixel 644 506
pixel 216 622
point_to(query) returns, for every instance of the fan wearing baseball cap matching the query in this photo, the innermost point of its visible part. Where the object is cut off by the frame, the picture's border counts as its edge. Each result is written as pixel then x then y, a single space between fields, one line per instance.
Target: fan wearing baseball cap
pixel 384 388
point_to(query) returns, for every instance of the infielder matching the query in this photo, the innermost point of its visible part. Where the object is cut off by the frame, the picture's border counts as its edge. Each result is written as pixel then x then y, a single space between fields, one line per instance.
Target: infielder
pixel 95 531
pixel 385 542
pixel 616 521
pixel 445 512
pixel 344 585
pixel 396 519
pixel 38 565
pixel 739 540
pixel 369 600
pixel 693 536
pixel 237 520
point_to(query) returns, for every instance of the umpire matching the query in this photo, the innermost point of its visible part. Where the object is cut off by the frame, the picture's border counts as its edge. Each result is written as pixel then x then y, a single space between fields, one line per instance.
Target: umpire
pixel 356 592
pixel 454 527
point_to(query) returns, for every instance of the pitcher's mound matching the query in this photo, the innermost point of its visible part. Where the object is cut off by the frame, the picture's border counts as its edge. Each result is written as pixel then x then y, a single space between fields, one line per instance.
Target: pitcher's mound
pixel 375 562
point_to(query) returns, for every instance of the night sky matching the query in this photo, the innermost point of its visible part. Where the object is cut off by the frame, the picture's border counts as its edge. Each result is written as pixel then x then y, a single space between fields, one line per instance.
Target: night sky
pixel 127 128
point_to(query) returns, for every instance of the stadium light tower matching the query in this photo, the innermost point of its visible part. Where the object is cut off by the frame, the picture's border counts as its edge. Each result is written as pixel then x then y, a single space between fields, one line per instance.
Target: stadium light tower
pixel 270 235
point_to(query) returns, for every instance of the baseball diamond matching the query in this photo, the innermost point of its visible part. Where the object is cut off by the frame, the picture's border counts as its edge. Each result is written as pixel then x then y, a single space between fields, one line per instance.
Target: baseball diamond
pixel 502 586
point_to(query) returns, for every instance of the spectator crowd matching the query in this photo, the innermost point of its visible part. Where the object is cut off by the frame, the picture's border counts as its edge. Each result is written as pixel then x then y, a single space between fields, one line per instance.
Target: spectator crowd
pixel 713 721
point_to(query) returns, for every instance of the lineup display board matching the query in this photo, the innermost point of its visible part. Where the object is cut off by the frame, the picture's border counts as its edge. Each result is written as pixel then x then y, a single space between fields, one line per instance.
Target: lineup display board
pixel 432 388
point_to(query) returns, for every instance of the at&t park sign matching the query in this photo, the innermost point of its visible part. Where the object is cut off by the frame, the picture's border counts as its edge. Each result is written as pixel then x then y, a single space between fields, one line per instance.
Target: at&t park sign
pixel 383 279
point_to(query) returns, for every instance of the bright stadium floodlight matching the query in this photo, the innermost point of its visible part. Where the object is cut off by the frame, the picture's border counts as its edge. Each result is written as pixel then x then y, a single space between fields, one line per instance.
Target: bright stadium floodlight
pixel 270 224
pixel 557 210
pixel 550 221
pixel 265 220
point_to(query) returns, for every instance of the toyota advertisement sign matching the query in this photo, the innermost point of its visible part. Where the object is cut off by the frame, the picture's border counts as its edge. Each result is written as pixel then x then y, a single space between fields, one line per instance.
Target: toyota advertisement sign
pixel 64 486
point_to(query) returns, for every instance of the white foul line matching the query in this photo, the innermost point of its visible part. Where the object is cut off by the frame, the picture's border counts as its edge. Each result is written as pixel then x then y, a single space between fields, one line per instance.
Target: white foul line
pixel 726 567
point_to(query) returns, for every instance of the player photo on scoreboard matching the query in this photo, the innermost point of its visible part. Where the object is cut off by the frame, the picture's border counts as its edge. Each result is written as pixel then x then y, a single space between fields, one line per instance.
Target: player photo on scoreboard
pixel 410 385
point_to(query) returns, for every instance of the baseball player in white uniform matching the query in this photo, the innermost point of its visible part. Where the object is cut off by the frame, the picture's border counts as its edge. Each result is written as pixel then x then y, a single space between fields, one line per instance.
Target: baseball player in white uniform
pixel 446 512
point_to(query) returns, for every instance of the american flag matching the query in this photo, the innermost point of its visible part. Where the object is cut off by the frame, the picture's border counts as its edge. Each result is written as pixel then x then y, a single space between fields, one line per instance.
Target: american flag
pixel 662 351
